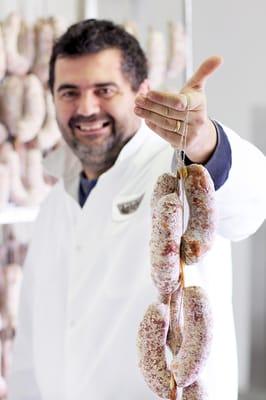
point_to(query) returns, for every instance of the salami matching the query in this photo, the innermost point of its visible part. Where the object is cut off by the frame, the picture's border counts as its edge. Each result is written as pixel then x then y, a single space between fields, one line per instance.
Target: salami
pixel 196 391
pixel 199 235
pixel 165 243
pixel 197 336
pixel 151 343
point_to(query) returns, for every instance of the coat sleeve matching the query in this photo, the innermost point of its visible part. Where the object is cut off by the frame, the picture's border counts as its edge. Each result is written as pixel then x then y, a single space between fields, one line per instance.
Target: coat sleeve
pixel 241 200
pixel 22 383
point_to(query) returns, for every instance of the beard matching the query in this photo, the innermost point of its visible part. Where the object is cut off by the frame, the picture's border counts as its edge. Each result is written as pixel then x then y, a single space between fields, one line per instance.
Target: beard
pixel 93 155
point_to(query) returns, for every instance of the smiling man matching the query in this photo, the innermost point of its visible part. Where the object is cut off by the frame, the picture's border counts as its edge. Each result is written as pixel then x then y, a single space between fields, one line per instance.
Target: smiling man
pixel 87 274
pixel 95 115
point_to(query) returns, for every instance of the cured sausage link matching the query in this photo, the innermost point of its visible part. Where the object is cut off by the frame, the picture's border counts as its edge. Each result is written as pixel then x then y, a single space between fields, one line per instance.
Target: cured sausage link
pixel 196 391
pixel 151 343
pixel 165 184
pixel 165 243
pixel 199 235
pixel 197 336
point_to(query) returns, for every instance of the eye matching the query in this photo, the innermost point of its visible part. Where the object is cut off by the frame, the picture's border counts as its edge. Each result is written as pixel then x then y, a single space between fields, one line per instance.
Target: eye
pixel 106 92
pixel 69 94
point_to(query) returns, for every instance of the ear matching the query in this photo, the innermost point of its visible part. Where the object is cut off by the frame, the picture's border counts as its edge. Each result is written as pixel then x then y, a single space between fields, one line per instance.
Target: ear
pixel 144 87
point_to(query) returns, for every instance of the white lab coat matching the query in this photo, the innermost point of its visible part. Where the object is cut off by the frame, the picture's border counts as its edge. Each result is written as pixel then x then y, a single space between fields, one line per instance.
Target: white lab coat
pixel 87 277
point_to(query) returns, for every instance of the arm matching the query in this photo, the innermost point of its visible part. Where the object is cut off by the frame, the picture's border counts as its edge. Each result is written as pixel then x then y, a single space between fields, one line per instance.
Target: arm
pixel 22 384
pixel 241 200
pixel 237 169
pixel 220 162
pixel 238 176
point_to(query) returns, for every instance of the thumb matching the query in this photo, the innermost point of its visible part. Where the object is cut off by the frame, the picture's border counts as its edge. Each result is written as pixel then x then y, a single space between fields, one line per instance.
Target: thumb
pixel 198 80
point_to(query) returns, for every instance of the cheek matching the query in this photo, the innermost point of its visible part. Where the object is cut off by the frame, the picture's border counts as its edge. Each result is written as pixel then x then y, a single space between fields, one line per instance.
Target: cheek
pixel 63 112
pixel 122 110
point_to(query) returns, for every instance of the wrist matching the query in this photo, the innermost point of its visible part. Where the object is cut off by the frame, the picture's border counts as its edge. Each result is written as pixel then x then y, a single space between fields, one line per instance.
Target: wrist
pixel 201 151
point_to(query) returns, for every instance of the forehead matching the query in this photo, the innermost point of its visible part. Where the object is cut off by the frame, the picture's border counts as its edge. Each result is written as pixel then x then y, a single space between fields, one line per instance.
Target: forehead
pixel 90 69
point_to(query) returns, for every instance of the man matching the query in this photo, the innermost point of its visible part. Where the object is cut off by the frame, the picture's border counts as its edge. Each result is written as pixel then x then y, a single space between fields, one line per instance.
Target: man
pixel 87 275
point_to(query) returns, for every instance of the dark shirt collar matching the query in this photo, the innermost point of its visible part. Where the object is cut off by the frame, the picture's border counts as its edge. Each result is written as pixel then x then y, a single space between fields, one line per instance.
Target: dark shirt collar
pixel 85 187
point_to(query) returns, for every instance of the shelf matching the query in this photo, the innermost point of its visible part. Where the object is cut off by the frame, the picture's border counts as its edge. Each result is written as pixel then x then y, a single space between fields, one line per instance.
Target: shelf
pixel 13 214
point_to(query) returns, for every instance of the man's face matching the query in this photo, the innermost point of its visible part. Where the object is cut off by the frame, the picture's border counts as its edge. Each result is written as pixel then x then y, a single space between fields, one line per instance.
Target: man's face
pixel 94 107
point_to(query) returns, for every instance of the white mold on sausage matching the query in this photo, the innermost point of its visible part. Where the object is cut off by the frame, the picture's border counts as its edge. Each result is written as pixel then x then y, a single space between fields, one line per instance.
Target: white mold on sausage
pixel 151 344
pixel 165 184
pixel 165 243
pixel 200 193
pixel 197 337
pixel 195 391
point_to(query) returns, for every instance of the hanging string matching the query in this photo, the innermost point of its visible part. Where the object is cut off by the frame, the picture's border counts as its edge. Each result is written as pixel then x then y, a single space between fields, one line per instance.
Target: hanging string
pixel 173 388
pixel 183 170
pixel 181 174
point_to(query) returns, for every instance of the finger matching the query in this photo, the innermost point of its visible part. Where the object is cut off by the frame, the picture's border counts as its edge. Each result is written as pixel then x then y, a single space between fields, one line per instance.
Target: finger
pixel 198 80
pixel 163 111
pixel 171 105
pixel 195 100
pixel 175 139
pixel 173 101
pixel 162 122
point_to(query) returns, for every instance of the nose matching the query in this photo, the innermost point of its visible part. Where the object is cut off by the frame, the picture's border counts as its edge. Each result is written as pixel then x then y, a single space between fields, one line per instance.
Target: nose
pixel 88 104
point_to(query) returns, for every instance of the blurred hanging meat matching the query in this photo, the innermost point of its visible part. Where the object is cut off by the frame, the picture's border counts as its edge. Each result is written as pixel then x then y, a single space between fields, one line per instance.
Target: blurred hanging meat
pixel 2 55
pixel 156 53
pixel 4 186
pixel 3 133
pixel 49 135
pixel 17 63
pixel 33 115
pixel 177 50
pixel 11 102
pixel 36 186
pixel 44 41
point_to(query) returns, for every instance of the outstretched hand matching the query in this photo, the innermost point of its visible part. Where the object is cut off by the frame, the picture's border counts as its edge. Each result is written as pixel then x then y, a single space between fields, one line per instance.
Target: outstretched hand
pixel 172 115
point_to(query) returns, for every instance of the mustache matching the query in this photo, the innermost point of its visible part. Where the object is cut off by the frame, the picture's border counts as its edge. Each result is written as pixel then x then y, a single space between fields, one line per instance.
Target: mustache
pixel 83 119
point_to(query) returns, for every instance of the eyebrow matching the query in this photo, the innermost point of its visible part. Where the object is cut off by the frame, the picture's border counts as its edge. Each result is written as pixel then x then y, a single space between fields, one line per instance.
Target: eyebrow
pixel 65 86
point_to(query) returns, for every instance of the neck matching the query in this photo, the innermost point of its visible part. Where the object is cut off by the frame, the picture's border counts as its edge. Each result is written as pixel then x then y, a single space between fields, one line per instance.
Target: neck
pixel 94 170
pixel 92 173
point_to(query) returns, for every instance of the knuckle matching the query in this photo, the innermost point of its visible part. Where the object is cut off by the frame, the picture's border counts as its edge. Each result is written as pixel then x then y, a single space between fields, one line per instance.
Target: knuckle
pixel 200 120
pixel 177 104
pixel 195 133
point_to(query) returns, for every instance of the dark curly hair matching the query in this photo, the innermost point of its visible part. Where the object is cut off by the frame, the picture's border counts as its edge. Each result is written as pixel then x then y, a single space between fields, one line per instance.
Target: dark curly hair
pixel 92 36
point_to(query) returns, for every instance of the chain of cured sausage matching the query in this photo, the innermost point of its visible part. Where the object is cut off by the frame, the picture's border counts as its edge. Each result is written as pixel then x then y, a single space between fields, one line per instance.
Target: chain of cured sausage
pixel 154 329
pixel 178 305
